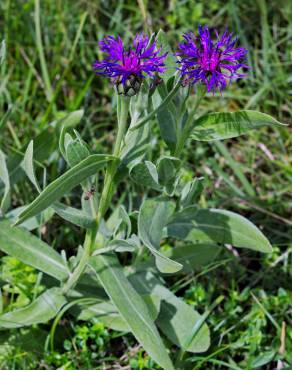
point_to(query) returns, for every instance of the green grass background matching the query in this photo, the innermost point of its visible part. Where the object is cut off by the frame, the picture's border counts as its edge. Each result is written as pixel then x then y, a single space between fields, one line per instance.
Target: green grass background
pixel 42 81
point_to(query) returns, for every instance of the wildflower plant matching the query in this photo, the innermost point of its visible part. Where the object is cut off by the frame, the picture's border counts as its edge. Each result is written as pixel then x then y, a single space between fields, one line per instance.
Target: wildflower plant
pixel 153 86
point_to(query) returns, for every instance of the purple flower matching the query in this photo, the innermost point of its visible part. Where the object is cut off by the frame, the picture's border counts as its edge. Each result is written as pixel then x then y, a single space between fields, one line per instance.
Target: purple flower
pixel 127 66
pixel 212 63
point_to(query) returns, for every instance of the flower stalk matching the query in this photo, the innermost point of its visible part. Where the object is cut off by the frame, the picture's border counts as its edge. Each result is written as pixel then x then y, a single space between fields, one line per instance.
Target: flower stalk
pixel 106 195
pixel 112 168
pixel 184 133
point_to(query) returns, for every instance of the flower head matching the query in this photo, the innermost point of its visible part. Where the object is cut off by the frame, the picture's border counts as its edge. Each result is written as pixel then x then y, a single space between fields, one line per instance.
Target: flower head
pixel 127 66
pixel 212 63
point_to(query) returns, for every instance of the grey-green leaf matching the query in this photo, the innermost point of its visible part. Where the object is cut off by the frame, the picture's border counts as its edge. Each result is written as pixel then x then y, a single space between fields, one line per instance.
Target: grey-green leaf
pixel 28 166
pixel 4 177
pixel 76 151
pixel 131 307
pixel 145 174
pixel 218 126
pixel 193 257
pixel 73 215
pixel 167 169
pixel 43 309
pixel 153 216
pixel 127 221
pixel 217 225
pixel 109 315
pixel 64 183
pixel 70 121
pixel 122 245
pixel 263 359
pixel 33 222
pixel 137 142
pixel 106 313
pixel 166 120
pixel 191 191
pixel 29 249
pixel 44 144
pixel 2 51
pixel 176 319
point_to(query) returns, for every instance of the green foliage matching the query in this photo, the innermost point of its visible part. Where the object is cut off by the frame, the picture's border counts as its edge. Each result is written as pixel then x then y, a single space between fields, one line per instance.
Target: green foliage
pixel 215 225
pixel 41 310
pixel 23 245
pixel 250 176
pixel 218 126
pixel 63 184
pixel 153 216
pixel 131 307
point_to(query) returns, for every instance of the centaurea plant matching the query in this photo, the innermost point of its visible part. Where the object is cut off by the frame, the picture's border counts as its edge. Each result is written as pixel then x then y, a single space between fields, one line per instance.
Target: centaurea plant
pixel 153 86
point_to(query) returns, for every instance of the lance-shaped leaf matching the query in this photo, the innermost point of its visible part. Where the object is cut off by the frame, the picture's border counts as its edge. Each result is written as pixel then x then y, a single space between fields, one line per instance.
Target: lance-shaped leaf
pixel 191 191
pixel 29 249
pixel 4 177
pixel 110 316
pixel 43 309
pixel 217 225
pixel 167 169
pixel 131 307
pixel 70 121
pixel 107 313
pixel 76 151
pixel 176 319
pixel 166 120
pixel 44 145
pixel 218 126
pixel 73 215
pixel 65 183
pixel 123 245
pixel 126 220
pixel 28 166
pixel 145 174
pixel 153 216
pixel 33 222
pixel 167 173
pixel 2 51
pixel 193 257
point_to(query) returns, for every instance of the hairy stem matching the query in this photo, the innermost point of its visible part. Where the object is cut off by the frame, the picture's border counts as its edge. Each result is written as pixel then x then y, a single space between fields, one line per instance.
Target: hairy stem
pixel 106 195
pixel 186 130
pixel 107 191
pixel 88 246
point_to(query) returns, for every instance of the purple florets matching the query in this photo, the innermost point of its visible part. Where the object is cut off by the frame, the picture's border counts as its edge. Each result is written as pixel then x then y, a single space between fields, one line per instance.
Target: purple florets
pixel 131 64
pixel 212 63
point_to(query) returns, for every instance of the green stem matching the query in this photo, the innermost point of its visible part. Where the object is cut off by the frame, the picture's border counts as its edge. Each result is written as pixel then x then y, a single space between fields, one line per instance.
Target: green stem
pixel 106 195
pixel 185 132
pixel 88 247
pixel 112 168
